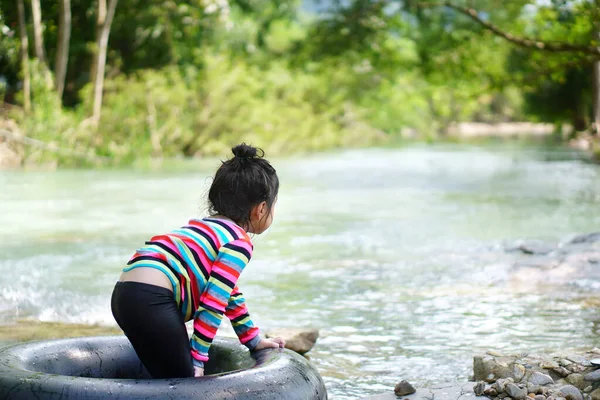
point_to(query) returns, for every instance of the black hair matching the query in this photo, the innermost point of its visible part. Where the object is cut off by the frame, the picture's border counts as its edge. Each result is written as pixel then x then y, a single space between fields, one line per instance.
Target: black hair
pixel 241 183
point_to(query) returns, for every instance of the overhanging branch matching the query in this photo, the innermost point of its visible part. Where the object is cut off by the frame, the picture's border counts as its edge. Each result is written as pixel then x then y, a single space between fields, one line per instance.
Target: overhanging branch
pixel 531 43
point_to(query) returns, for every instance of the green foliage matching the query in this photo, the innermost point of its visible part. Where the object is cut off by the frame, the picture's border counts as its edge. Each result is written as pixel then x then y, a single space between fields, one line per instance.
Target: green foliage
pixel 192 77
pixel 191 112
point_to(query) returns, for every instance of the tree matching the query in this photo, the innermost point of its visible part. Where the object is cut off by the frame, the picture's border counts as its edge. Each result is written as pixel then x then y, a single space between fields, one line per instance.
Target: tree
pixel 578 21
pixel 24 56
pixel 38 36
pixel 62 50
pixel 38 39
pixel 596 72
pixel 104 21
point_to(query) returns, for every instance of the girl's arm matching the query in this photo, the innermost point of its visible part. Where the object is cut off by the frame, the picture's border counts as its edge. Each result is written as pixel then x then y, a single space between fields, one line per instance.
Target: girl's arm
pixel 226 269
pixel 237 312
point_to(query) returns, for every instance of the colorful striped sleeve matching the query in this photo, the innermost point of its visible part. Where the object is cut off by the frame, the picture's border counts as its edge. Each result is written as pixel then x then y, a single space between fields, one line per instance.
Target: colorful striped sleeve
pixel 237 312
pixel 226 269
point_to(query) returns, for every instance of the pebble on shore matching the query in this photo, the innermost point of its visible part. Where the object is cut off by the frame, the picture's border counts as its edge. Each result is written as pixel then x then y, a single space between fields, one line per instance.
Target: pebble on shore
pixel 553 377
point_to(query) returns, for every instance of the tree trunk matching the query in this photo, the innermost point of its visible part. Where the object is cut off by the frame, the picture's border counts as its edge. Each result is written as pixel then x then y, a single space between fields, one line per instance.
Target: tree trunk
pixel 38 39
pixel 62 50
pixel 105 17
pixel 597 97
pixel 24 57
pixel 38 36
pixel 100 19
pixel 596 75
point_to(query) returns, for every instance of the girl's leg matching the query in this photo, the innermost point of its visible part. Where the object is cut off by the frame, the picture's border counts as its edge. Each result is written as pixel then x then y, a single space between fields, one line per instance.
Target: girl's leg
pixel 152 322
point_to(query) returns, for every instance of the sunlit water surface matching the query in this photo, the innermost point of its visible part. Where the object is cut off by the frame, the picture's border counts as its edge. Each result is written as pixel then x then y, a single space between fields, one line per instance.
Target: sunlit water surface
pixel 396 255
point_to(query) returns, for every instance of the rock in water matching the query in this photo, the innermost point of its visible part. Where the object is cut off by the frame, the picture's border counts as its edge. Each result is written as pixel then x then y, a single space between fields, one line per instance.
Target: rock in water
pixel 535 248
pixel 403 388
pixel 300 340
pixel 587 238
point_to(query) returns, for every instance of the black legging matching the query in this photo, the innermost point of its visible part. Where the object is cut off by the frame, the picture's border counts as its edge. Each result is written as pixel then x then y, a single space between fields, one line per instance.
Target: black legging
pixel 152 322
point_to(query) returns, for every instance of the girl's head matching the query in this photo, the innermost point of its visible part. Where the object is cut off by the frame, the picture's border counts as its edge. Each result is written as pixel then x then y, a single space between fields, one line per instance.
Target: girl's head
pixel 245 189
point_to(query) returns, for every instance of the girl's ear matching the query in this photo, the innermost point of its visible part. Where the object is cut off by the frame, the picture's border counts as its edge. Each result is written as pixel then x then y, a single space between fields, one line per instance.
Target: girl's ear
pixel 259 211
pixel 263 209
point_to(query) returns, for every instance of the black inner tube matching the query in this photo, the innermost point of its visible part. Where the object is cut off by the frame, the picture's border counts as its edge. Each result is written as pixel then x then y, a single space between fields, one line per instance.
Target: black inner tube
pixel 107 367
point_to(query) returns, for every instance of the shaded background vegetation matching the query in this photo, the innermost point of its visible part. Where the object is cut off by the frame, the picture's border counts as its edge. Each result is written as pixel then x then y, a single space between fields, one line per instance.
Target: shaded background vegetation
pixel 188 78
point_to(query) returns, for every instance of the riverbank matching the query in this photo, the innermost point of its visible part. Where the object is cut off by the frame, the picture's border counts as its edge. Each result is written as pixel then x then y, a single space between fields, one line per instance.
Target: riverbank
pixel 498 376
pixel 18 150
pixel 28 330
pixel 503 129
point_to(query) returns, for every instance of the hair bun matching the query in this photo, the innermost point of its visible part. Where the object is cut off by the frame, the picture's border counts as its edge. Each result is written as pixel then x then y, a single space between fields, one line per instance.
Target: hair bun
pixel 245 151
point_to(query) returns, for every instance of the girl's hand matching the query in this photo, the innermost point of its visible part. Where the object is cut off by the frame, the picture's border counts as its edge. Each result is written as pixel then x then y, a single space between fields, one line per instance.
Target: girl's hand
pixel 198 372
pixel 270 343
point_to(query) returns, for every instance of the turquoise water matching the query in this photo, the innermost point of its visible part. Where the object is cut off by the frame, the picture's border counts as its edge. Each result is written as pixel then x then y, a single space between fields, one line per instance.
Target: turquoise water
pixel 396 255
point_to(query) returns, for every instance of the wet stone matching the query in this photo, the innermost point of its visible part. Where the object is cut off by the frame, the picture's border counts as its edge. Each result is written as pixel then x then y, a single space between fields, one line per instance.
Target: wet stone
pixel 403 388
pixel 539 397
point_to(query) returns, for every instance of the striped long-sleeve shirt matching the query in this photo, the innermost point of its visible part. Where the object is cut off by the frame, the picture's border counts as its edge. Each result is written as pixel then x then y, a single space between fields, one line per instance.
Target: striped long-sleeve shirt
pixel 203 260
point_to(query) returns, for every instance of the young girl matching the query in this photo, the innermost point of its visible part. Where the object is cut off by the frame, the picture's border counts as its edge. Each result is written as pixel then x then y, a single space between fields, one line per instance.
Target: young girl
pixel 192 273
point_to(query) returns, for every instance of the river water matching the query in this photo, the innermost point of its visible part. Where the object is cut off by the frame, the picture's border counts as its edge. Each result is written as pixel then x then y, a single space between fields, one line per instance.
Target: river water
pixel 396 255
